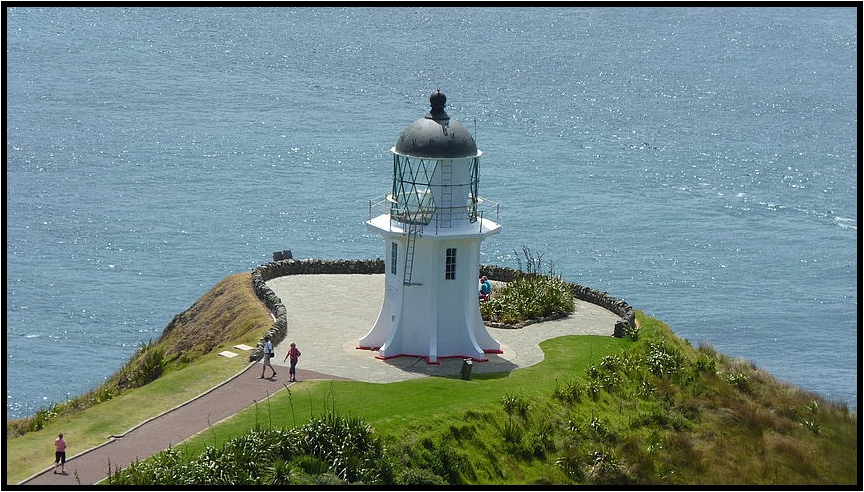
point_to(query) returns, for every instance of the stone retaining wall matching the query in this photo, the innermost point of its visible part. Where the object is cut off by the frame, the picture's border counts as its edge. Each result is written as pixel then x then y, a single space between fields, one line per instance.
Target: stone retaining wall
pixel 281 268
pixel 263 273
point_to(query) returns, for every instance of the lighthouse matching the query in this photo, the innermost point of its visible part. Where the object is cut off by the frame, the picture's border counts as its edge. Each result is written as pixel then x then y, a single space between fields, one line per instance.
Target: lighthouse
pixel 432 222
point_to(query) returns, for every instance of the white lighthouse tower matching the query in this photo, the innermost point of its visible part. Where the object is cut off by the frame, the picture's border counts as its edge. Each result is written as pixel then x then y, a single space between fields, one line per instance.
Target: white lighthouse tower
pixel 432 225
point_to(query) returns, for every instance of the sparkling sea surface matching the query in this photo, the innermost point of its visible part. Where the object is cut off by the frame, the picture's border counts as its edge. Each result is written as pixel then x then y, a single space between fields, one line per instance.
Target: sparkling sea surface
pixel 699 163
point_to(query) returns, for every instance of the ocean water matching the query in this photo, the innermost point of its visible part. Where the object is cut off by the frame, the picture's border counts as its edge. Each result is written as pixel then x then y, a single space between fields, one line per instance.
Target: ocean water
pixel 699 163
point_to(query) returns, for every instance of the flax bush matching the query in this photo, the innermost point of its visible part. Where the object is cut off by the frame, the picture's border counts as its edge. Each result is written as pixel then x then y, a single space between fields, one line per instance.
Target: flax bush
pixel 327 450
pixel 529 298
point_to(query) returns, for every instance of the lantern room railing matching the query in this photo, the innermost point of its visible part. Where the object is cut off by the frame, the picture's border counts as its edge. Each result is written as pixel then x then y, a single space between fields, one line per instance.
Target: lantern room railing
pixel 424 215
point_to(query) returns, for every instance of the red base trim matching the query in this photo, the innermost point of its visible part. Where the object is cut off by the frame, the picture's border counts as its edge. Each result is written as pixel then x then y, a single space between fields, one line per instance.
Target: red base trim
pixel 426 357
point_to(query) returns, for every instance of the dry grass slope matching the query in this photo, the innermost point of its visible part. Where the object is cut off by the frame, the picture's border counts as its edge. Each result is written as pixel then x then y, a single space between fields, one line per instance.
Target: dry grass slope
pixel 227 312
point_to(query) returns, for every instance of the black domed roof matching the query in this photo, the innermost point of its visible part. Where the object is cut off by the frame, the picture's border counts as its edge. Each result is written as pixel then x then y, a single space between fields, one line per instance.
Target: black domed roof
pixel 436 135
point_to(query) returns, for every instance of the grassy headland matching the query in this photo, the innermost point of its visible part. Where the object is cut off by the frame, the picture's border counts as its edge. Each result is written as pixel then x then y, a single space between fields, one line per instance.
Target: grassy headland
pixel 650 409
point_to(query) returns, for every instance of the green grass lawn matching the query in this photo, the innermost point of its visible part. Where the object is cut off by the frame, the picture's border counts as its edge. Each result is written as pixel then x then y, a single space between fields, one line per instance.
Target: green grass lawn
pixel 390 408
pixel 396 408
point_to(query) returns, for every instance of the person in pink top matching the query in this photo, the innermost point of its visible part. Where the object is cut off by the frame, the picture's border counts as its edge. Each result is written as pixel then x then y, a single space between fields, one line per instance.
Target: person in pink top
pixel 60 454
pixel 293 353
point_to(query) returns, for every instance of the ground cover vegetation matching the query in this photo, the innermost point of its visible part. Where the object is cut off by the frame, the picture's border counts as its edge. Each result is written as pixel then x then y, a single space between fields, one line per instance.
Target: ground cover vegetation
pixel 645 409
pixel 538 295
pixel 652 411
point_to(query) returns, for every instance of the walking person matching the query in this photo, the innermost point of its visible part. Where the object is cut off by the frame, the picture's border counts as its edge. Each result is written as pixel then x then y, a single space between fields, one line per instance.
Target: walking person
pixel 60 454
pixel 294 353
pixel 268 353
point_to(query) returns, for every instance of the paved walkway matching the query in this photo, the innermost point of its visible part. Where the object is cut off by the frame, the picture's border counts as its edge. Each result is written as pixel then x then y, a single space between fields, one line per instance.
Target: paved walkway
pixel 327 315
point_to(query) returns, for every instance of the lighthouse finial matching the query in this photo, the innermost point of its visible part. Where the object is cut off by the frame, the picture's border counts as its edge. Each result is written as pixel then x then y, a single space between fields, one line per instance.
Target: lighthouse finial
pixel 437 100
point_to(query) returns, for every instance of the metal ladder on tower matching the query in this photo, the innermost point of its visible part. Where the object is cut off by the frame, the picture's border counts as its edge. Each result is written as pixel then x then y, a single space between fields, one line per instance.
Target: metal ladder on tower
pixel 447 194
pixel 413 230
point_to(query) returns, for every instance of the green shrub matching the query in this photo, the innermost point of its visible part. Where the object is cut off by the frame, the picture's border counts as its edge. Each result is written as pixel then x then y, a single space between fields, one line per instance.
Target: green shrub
pixel 419 476
pixel 514 404
pixel 738 380
pixel 327 450
pixel 662 360
pixel 529 298
pixel 570 392
pixel 605 469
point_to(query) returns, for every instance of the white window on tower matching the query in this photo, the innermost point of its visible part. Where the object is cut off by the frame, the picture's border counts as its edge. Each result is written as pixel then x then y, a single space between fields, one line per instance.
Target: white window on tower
pixel 450 264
